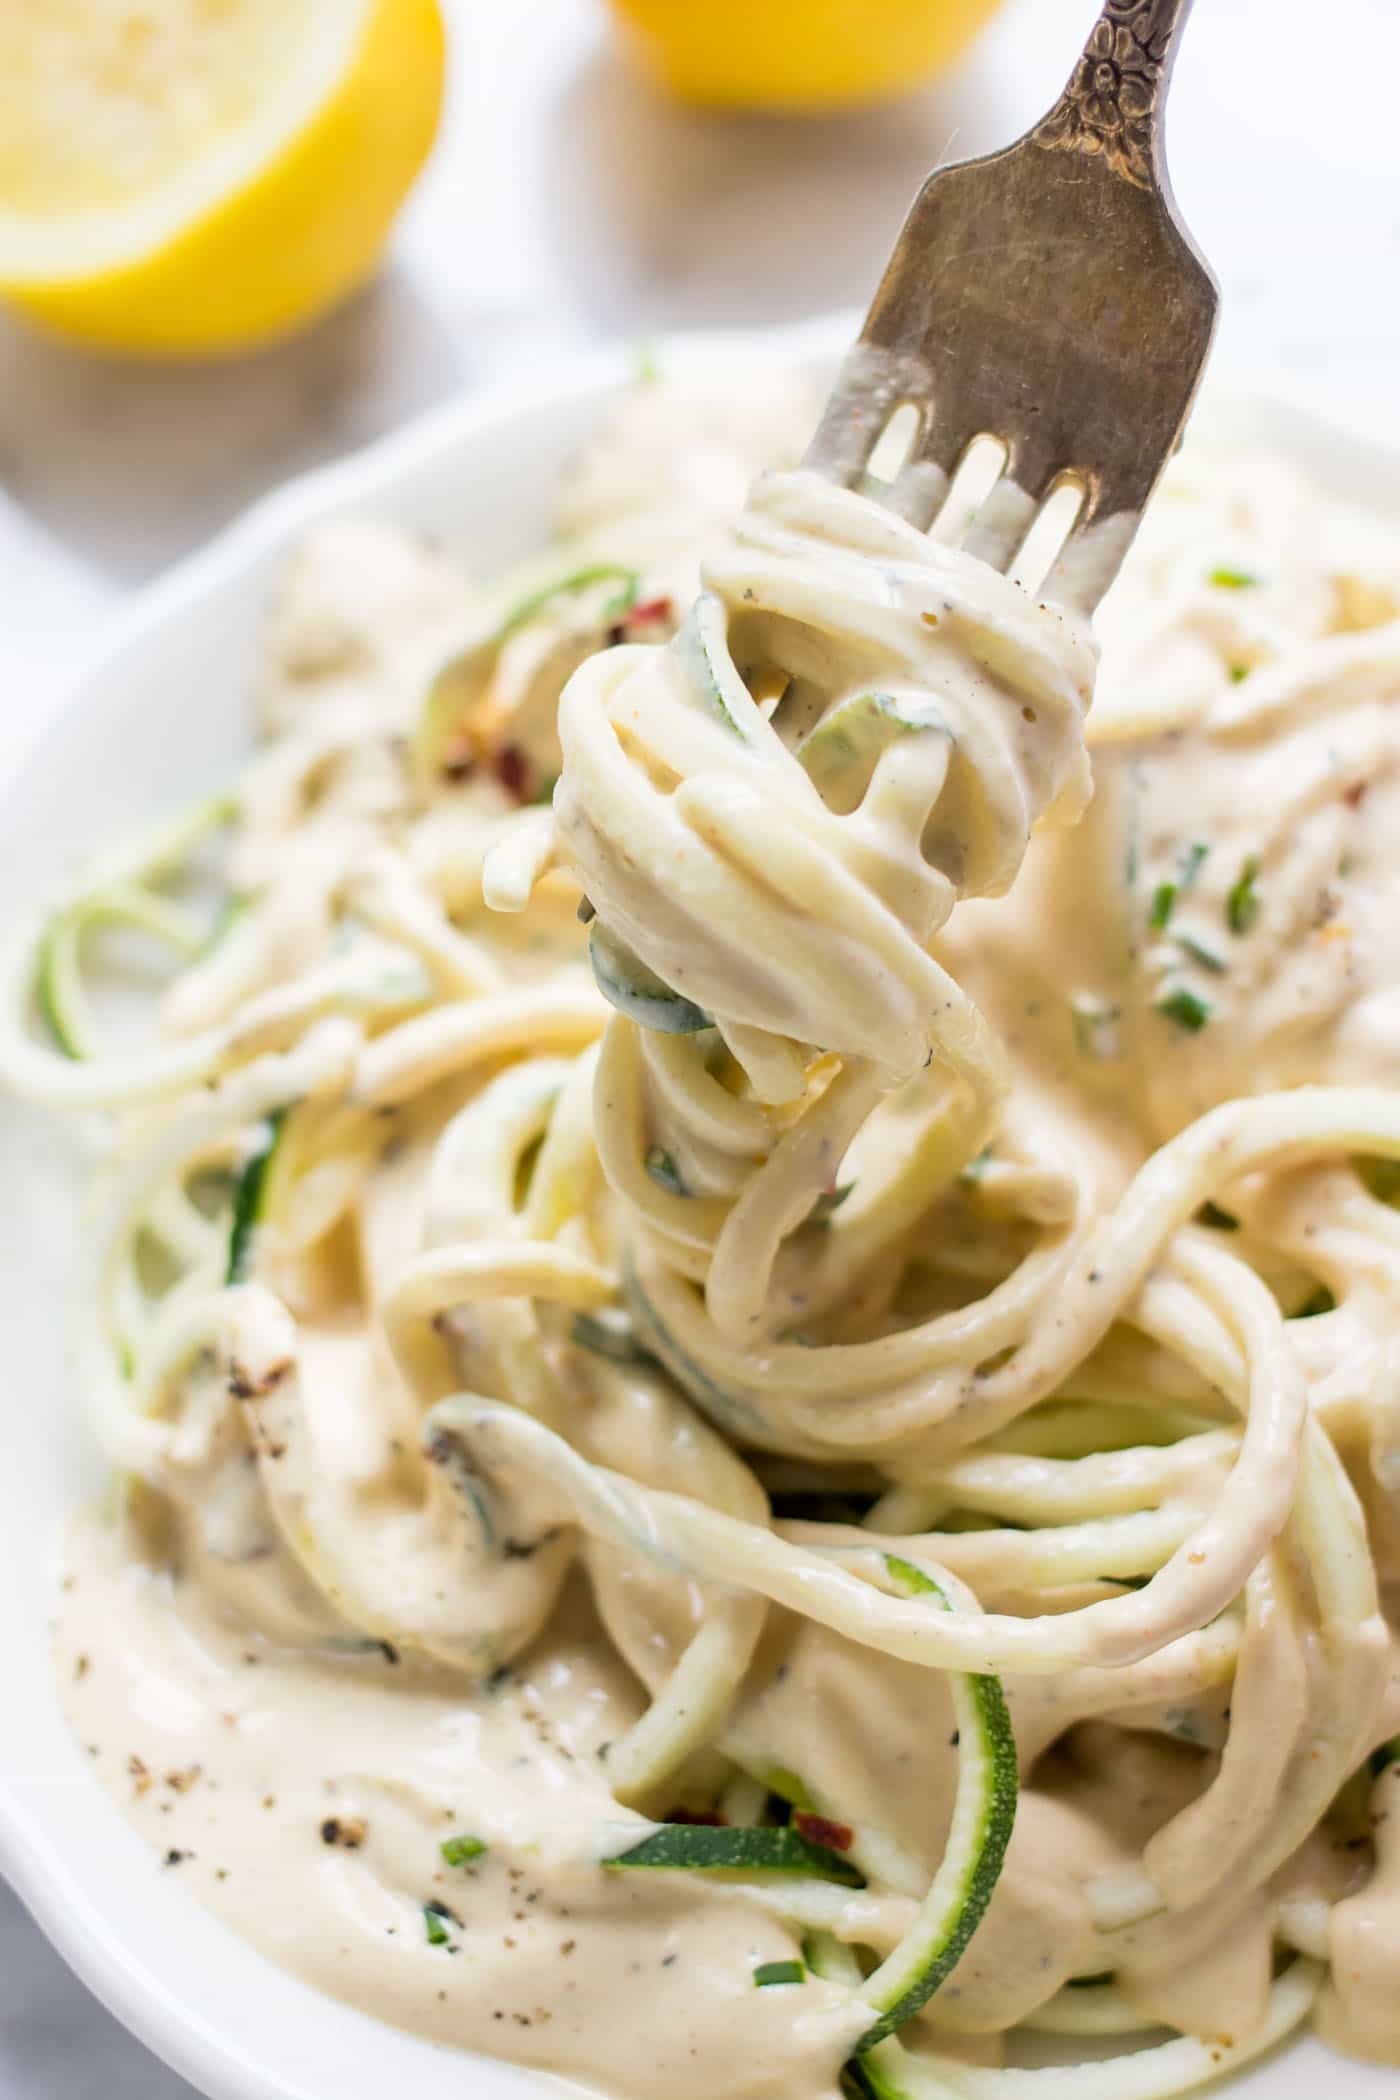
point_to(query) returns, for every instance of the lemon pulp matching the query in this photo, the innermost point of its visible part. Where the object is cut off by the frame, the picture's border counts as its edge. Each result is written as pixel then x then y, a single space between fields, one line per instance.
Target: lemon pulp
pixel 186 175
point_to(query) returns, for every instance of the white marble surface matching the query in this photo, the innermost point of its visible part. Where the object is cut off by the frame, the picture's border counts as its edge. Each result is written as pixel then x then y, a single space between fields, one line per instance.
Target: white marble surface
pixel 567 201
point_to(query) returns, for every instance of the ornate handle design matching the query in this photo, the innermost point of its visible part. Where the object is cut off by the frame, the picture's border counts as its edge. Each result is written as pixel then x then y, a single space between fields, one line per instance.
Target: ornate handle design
pixel 1112 103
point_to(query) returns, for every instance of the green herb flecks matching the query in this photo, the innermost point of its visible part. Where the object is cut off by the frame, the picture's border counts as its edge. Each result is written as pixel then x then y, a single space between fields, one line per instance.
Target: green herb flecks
pixel 1201 953
pixel 456 1851
pixel 1165 896
pixel 435 1921
pixel 1185 1007
pixel 1227 579
pixel 828 1203
pixel 1242 904
pixel 1163 904
pixel 707 1848
pixel 770 1972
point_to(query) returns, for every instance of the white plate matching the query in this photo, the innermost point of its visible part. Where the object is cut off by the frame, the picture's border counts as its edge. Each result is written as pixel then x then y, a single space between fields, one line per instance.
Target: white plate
pixel 162 714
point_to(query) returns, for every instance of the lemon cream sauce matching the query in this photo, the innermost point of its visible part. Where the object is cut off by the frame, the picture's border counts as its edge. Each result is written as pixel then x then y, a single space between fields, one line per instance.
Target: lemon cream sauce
pixel 701 1215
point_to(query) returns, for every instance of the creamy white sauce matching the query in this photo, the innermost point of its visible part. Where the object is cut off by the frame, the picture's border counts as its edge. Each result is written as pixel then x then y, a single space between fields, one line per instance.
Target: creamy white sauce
pixel 299 1662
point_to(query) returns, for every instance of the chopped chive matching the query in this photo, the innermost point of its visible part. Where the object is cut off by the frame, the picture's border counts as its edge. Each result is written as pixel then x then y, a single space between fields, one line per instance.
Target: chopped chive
pixel 1166 893
pixel 831 1200
pixel 779 1972
pixel 434 1915
pixel 1228 579
pixel 1242 904
pixel 1200 953
pixel 458 1850
pixel 1238 673
pixel 1163 904
pixel 974 1170
pixel 664 1172
pixel 1185 1008
pixel 1191 861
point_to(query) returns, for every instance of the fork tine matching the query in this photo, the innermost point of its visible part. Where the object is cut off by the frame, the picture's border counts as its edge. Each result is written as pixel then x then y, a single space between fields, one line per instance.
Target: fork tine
pixel 918 492
pixel 947 442
pixel 1008 510
pixel 869 388
pixel 1002 523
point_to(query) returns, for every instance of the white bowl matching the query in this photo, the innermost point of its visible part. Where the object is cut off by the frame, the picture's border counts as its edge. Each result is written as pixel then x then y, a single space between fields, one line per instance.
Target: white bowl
pixel 161 714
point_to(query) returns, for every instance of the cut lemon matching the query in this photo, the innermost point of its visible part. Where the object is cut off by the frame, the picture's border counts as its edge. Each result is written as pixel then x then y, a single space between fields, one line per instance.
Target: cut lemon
pixel 799 54
pixel 184 177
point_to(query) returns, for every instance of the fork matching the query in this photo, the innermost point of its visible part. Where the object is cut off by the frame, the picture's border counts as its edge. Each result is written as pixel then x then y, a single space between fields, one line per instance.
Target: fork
pixel 1049 297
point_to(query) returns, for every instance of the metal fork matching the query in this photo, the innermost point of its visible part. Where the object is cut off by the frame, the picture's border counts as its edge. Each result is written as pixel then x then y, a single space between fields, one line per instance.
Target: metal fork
pixel 1050 297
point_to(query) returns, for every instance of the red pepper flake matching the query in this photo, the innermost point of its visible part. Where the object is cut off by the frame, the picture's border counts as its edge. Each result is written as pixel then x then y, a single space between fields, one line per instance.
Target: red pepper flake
pixel 509 767
pixel 1353 795
pixel 708 1818
pixel 646 615
pixel 818 1831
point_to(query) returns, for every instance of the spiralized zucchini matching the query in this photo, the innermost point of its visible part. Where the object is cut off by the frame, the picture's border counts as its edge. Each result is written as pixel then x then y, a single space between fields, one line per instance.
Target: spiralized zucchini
pixel 703 1234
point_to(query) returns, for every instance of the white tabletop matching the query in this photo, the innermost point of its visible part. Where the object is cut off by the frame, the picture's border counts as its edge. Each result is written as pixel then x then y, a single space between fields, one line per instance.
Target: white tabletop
pixel 567 201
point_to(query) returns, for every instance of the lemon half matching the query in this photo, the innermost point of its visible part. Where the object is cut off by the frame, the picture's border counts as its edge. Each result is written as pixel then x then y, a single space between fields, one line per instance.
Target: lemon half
pixel 799 54
pixel 183 177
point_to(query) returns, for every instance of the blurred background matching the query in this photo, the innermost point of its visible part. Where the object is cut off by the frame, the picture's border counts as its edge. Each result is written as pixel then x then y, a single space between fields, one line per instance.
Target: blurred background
pixel 576 189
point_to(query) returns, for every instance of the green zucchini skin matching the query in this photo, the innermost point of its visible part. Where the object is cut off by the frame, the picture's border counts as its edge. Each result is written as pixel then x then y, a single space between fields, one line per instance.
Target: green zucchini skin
pixel 610 1338
pixel 985 1733
pixel 249 1194
pixel 843 750
pixel 736 1849
pixel 626 983
pixel 731 1411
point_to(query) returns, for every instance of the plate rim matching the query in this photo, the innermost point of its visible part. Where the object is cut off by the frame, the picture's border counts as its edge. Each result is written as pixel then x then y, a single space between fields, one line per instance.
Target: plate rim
pixel 85 1932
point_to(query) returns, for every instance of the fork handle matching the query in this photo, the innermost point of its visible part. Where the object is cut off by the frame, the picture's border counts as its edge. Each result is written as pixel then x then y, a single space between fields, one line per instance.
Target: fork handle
pixel 1112 102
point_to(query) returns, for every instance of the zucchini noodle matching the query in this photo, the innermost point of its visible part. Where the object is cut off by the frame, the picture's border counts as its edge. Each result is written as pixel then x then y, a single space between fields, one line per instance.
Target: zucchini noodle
pixel 752 1363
